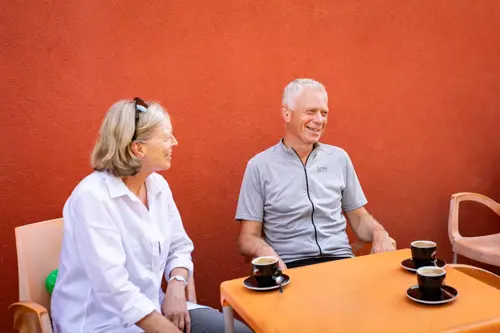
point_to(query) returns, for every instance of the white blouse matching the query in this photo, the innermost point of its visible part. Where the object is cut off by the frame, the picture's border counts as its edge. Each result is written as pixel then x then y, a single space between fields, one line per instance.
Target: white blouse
pixel 114 254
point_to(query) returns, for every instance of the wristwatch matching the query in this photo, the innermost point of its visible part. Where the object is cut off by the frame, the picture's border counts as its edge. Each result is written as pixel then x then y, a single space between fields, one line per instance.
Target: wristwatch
pixel 178 278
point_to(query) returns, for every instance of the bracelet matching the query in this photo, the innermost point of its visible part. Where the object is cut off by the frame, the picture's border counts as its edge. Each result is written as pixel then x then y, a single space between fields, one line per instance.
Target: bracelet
pixel 178 278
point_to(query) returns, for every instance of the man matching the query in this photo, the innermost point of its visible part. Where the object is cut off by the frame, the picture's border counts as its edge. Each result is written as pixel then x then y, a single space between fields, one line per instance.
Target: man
pixel 297 191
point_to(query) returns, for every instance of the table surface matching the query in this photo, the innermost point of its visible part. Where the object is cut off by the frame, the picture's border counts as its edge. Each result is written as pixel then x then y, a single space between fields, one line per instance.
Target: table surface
pixel 362 294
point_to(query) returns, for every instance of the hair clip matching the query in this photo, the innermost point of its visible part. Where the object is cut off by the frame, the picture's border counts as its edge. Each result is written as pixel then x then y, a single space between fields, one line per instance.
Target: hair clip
pixel 140 105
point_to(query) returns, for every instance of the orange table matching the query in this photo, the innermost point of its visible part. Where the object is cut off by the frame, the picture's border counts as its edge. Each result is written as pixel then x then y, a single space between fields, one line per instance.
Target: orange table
pixel 363 294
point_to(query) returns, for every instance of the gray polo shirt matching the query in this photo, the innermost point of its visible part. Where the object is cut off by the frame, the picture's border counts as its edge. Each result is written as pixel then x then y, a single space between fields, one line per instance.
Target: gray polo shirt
pixel 301 206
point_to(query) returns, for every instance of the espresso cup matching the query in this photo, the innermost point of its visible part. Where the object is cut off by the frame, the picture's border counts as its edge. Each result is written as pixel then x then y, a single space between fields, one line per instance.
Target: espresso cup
pixel 423 253
pixel 266 270
pixel 430 280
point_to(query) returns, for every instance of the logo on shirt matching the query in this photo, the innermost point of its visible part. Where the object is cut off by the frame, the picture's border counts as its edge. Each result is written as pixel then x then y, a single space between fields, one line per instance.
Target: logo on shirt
pixel 322 168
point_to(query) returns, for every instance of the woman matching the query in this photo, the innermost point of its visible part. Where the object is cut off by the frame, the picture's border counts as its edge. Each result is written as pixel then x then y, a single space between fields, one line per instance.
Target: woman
pixel 123 232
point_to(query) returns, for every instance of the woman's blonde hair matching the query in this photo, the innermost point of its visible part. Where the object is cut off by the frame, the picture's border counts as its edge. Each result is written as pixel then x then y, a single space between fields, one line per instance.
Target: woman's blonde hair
pixel 112 151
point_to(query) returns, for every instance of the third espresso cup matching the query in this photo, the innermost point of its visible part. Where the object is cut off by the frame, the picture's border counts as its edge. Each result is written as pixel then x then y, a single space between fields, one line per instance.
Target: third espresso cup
pixel 265 270
pixel 430 280
pixel 423 253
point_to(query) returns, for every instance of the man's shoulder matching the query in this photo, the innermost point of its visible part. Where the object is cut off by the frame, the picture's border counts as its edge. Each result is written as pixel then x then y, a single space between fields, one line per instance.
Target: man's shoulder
pixel 334 151
pixel 264 157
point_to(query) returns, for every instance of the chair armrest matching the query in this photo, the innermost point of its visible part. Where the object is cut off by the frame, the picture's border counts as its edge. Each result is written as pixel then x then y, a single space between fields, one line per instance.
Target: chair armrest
pixel 31 317
pixel 359 247
pixel 478 273
pixel 454 209
pixel 491 325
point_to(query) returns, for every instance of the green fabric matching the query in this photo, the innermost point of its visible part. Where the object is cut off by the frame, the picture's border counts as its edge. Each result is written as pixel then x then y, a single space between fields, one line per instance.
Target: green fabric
pixel 50 281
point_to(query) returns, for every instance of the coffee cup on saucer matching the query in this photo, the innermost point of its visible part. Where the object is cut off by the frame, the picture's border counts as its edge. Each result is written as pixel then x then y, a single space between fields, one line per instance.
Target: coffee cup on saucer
pixel 423 253
pixel 431 288
pixel 266 270
pixel 430 281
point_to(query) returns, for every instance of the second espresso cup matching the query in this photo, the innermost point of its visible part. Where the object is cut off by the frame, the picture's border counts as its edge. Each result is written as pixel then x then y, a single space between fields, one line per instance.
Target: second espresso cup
pixel 423 253
pixel 265 270
pixel 430 280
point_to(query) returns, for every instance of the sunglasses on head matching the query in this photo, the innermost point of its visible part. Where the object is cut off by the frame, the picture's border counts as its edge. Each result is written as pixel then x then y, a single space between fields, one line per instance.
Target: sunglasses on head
pixel 139 106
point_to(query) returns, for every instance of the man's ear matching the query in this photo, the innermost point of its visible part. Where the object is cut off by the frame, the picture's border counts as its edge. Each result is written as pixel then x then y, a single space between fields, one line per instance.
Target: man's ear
pixel 285 113
pixel 137 149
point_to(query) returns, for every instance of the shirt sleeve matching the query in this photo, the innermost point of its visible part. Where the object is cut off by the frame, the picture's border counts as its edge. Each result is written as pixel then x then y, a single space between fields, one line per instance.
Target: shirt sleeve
pixel 100 249
pixel 179 253
pixel 250 201
pixel 352 195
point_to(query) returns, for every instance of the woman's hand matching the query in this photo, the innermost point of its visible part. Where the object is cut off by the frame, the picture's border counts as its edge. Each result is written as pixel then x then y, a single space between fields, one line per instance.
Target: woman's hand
pixel 174 306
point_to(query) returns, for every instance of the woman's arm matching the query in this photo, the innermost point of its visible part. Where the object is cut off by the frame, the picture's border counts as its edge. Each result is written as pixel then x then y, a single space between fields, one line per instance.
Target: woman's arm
pixel 156 323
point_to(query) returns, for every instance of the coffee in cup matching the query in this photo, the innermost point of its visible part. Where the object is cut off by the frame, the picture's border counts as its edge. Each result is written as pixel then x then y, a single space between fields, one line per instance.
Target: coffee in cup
pixel 423 253
pixel 430 280
pixel 266 270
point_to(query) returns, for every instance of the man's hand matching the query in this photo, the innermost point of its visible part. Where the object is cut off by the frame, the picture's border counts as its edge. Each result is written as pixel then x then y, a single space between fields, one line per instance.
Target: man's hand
pixel 382 243
pixel 174 306
pixel 282 265
pixel 251 243
pixel 368 230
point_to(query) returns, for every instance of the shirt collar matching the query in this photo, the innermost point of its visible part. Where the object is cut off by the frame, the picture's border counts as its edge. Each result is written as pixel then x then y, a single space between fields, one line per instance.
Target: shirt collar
pixel 288 150
pixel 154 185
pixel 117 187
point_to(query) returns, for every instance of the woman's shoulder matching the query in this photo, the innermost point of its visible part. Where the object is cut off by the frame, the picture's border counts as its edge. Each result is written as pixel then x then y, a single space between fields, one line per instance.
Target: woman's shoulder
pixel 94 185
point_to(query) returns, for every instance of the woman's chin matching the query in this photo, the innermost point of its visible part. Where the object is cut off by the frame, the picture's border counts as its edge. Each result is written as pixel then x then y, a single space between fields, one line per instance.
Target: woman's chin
pixel 167 165
pixel 164 166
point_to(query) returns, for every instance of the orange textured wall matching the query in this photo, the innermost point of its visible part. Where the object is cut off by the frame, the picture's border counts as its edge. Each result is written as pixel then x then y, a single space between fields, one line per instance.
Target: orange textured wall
pixel 414 92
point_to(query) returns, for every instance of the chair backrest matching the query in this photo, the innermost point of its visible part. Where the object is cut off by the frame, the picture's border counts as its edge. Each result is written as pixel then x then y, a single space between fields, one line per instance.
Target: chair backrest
pixel 38 248
pixel 456 199
pixel 478 273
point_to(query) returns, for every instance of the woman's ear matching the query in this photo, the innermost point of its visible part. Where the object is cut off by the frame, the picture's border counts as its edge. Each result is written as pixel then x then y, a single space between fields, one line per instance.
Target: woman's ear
pixel 137 148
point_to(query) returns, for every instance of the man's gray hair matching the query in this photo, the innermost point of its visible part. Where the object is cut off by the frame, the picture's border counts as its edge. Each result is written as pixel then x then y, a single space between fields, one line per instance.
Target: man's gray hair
pixel 294 88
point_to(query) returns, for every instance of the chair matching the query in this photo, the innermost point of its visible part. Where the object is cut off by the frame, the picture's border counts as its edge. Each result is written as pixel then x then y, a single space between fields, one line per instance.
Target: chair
pixel 487 326
pixel 35 260
pixel 478 273
pixel 485 249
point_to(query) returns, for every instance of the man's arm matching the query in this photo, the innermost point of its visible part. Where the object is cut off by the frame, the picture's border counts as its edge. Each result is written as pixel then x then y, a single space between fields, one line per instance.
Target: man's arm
pixel 368 229
pixel 251 243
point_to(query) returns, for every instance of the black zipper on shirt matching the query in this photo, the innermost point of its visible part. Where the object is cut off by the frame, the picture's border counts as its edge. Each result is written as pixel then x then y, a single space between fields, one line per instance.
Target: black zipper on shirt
pixel 309 197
